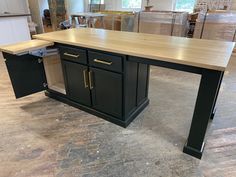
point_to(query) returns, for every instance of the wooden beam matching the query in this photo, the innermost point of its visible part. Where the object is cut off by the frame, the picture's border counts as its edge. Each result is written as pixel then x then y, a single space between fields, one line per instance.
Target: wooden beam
pixel 57 11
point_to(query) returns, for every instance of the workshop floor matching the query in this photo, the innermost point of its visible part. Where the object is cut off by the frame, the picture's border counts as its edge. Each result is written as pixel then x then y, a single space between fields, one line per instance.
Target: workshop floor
pixel 41 137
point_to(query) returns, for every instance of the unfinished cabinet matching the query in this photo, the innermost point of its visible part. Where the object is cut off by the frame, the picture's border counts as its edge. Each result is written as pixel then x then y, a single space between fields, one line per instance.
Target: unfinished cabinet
pixel 53 71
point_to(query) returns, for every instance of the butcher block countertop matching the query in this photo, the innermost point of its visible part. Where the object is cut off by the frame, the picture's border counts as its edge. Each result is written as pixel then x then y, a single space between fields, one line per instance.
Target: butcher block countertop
pixel 193 52
pixel 25 46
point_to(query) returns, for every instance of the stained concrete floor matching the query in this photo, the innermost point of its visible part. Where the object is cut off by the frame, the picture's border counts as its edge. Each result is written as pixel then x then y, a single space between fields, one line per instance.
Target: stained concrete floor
pixel 41 137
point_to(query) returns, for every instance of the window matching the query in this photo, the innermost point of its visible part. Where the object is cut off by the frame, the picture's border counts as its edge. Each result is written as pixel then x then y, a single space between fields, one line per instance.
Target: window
pixel 185 5
pixel 96 1
pixel 131 4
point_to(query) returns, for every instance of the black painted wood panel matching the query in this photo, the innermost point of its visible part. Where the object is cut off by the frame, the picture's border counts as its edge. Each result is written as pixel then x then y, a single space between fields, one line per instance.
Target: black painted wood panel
pixel 114 62
pixel 73 54
pixel 75 85
pixel 26 73
pixel 107 92
pixel 143 72
pixel 130 85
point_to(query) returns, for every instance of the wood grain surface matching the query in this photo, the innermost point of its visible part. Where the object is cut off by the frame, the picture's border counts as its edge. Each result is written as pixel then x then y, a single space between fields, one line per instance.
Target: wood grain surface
pixel 25 46
pixel 193 52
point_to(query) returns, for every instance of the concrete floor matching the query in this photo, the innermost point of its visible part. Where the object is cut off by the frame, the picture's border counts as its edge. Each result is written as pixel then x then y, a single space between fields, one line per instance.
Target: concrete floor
pixel 41 137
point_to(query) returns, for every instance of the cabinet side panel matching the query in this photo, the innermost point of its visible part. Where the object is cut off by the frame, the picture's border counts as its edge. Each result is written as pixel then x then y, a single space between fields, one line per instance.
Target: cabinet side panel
pixel 130 87
pixel 143 81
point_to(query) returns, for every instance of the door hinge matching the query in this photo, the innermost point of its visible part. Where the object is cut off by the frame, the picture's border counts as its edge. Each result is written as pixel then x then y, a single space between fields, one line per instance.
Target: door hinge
pixel 45 85
pixel 40 60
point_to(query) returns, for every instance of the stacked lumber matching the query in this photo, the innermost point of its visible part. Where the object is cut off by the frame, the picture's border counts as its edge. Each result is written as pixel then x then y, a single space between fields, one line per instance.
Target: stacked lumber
pixel 57 12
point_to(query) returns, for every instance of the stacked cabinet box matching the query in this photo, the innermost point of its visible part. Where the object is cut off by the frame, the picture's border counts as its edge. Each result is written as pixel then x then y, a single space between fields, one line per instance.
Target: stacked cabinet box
pixel 216 25
pixel 102 83
pixel 170 23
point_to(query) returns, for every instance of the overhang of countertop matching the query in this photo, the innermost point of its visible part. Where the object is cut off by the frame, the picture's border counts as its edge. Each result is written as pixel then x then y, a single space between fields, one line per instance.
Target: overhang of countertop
pixel 201 53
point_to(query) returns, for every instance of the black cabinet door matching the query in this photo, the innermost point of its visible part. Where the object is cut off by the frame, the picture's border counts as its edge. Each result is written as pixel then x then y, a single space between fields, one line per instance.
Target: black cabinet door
pixel 106 90
pixel 26 73
pixel 77 83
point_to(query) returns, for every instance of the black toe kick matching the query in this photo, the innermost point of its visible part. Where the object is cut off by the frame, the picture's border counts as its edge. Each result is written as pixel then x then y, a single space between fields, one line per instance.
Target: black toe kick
pixel 193 152
pixel 104 116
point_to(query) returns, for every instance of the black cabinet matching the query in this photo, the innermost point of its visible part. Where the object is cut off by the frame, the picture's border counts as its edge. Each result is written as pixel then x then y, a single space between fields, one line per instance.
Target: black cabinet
pixel 106 92
pixel 100 89
pixel 109 84
pixel 77 86
pixel 105 84
pixel 27 74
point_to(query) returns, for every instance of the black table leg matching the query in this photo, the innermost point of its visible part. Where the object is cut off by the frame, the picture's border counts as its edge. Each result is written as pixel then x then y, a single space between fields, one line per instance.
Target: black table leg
pixel 218 90
pixel 206 99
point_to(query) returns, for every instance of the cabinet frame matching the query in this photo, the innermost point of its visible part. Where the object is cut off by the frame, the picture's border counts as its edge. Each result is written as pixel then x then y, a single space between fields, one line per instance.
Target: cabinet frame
pixel 129 80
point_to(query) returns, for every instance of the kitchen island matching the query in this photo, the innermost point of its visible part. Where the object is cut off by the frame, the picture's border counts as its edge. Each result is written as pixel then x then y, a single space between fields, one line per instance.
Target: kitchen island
pixel 106 73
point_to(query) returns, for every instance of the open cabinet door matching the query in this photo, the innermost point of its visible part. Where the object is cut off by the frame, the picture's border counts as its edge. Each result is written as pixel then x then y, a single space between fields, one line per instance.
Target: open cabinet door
pixel 26 73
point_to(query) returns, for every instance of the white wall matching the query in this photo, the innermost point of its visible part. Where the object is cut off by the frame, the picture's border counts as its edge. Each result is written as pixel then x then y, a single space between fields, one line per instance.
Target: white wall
pixel 43 4
pixel 15 30
pixel 117 5
pixel 14 6
pixel 234 5
pixel 160 4
pixel 74 6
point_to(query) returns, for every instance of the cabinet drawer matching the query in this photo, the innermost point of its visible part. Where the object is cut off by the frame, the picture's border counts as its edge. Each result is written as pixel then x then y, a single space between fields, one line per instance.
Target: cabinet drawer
pixel 105 61
pixel 73 54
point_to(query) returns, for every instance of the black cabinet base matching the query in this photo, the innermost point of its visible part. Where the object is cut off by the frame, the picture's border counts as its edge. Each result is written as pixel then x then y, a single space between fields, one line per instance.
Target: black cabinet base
pixel 193 152
pixel 62 98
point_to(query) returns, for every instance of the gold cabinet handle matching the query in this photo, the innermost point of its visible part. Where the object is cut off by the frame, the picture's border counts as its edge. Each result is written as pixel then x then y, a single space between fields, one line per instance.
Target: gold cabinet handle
pixel 71 55
pixel 102 62
pixel 85 79
pixel 90 80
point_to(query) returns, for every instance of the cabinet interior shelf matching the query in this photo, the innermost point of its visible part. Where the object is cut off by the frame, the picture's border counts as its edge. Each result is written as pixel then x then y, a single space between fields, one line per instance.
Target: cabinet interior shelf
pixel 59 87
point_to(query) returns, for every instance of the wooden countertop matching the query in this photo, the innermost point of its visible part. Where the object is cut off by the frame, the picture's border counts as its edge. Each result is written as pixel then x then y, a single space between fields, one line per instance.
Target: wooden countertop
pixel 13 15
pixel 88 14
pixel 193 52
pixel 25 46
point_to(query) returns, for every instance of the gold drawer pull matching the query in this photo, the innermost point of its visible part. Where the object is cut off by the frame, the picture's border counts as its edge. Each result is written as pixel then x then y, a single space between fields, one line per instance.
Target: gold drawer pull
pixel 102 62
pixel 90 80
pixel 85 79
pixel 71 55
